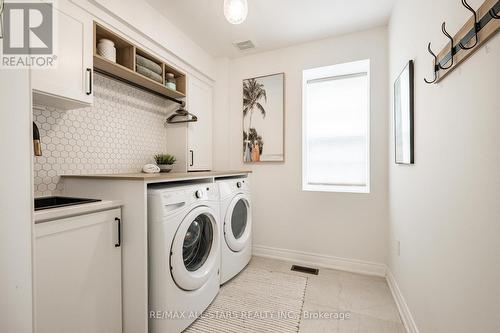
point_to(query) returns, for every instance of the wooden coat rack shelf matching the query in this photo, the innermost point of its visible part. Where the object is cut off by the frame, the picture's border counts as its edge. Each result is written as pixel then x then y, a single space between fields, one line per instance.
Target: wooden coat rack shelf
pixel 483 25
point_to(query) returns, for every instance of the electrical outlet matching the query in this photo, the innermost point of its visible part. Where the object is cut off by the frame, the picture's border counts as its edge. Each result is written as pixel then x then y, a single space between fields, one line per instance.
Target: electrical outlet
pixel 398 248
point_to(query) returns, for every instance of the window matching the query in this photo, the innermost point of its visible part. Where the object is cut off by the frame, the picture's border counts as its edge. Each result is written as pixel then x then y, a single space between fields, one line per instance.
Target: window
pixel 336 128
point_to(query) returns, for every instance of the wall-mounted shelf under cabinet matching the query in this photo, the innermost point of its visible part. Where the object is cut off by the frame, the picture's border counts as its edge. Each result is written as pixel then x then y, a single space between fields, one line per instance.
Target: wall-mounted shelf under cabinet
pixel 125 67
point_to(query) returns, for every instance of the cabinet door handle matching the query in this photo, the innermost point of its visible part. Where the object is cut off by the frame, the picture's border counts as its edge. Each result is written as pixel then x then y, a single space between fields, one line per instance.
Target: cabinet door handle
pixel 89 82
pixel 119 232
pixel 192 157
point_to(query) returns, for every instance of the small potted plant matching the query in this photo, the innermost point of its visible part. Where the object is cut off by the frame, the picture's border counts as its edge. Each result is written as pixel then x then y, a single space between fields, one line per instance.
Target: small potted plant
pixel 165 162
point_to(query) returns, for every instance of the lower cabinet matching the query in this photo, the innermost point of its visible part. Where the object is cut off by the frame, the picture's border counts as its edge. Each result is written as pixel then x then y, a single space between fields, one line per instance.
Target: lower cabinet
pixel 77 274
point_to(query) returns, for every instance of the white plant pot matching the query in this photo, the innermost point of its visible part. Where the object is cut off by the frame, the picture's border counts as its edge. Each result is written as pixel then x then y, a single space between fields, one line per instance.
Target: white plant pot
pixel 165 167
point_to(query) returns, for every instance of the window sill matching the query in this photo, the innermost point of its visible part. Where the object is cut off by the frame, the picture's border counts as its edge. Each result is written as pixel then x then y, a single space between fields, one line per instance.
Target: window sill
pixel 336 188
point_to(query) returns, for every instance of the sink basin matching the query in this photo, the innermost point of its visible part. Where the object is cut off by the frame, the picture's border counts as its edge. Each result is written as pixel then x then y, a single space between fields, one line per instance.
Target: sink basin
pixel 56 202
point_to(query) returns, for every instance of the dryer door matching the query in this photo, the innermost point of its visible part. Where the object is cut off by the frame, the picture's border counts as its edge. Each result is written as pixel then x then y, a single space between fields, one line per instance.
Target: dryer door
pixel 194 255
pixel 238 223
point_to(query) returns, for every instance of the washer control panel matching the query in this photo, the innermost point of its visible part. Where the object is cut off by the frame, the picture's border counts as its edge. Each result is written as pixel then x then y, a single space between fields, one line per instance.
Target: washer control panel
pixel 242 184
pixel 228 187
pixel 205 192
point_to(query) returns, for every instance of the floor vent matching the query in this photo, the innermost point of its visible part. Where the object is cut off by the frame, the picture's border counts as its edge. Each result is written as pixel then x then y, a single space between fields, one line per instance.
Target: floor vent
pixel 304 269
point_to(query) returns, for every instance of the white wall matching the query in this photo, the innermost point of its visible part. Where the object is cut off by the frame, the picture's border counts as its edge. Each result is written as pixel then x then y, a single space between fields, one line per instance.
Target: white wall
pixel 445 209
pixel 16 204
pixel 344 225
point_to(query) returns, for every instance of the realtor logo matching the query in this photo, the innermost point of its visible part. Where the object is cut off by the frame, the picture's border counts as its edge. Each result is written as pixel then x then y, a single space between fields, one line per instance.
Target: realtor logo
pixel 28 28
pixel 28 35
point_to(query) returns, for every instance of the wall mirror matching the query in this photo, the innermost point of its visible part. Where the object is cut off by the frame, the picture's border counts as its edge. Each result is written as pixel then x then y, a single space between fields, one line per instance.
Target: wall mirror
pixel 403 116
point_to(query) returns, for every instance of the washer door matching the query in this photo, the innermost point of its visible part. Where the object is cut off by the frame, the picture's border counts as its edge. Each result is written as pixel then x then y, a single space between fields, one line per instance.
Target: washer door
pixel 194 252
pixel 238 223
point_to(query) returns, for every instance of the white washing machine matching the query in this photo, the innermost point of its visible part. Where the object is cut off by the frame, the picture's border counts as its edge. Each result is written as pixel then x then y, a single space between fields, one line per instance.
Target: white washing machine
pixel 184 254
pixel 236 220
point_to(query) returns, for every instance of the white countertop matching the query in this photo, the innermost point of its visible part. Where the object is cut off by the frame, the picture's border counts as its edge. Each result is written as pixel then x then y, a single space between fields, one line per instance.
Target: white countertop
pixel 63 212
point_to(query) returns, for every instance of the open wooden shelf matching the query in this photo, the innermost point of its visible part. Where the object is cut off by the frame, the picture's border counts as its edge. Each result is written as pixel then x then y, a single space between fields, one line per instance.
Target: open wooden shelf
pixel 125 66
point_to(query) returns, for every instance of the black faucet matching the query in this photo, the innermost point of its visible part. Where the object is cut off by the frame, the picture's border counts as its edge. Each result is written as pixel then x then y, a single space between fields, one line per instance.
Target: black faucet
pixel 37 145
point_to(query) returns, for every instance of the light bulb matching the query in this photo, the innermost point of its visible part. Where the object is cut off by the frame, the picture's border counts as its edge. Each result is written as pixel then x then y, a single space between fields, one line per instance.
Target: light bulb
pixel 235 11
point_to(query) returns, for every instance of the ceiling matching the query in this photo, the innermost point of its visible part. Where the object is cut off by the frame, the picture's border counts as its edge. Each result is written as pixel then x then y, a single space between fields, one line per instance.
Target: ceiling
pixel 271 24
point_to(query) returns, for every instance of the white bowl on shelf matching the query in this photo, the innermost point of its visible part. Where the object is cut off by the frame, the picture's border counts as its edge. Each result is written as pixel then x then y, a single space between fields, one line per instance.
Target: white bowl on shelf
pixel 106 42
pixel 106 48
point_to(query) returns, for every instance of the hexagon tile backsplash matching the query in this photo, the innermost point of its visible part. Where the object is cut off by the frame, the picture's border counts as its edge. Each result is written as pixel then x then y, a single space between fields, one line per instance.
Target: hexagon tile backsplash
pixel 120 133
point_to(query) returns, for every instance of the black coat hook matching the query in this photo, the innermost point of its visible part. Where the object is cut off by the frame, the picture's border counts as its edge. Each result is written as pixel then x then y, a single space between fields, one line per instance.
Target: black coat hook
pixel 443 29
pixel 493 14
pixel 436 67
pixel 466 5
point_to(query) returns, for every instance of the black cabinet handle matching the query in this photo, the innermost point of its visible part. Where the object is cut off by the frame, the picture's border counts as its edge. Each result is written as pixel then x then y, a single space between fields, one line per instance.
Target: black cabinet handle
pixel 119 232
pixel 192 157
pixel 89 76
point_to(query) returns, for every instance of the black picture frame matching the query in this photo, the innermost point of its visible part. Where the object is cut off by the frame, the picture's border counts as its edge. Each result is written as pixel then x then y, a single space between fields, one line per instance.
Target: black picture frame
pixel 404 152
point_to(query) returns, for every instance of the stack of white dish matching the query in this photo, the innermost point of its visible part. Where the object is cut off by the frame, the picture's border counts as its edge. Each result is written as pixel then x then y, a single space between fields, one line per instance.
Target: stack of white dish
pixel 106 48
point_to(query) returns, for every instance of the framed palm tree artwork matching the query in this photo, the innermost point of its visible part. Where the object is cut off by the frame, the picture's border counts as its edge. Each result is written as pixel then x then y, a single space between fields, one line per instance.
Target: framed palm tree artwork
pixel 263 118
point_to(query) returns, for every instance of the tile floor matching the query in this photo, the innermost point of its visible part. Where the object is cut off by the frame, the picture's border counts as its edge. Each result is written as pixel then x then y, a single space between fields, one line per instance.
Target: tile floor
pixel 367 298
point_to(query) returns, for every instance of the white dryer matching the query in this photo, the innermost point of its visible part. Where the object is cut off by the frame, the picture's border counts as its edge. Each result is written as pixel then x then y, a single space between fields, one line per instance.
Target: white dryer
pixel 184 254
pixel 236 219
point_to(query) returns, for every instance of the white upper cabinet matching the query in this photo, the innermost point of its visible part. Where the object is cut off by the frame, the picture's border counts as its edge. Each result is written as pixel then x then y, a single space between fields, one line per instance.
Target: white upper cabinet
pixel 69 84
pixel 200 103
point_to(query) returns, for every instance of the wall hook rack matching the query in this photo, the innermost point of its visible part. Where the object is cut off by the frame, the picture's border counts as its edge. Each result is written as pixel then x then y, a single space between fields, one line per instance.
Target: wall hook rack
pixel 474 33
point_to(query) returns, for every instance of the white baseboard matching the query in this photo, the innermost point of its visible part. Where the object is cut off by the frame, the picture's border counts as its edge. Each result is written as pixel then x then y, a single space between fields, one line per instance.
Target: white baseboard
pixel 321 260
pixel 349 265
pixel 404 310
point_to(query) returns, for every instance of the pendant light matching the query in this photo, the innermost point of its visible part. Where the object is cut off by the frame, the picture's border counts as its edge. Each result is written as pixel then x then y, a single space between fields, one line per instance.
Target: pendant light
pixel 235 11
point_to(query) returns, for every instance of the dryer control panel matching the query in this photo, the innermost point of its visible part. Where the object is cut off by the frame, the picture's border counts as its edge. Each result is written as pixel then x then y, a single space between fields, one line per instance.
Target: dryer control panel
pixel 228 187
